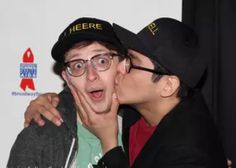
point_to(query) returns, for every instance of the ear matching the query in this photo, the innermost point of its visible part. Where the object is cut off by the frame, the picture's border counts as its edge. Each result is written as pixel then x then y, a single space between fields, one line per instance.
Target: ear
pixel 171 86
pixel 66 77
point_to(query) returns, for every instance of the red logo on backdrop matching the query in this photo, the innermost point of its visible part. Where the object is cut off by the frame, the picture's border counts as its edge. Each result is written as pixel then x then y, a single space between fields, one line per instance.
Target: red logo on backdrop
pixel 28 70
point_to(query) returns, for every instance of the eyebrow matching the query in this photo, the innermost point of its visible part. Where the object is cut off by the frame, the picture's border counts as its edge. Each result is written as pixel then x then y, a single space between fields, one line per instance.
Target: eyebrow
pixel 78 54
pixel 69 57
pixel 100 50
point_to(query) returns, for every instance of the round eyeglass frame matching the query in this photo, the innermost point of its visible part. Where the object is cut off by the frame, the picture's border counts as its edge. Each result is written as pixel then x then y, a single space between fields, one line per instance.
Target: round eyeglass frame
pixel 110 56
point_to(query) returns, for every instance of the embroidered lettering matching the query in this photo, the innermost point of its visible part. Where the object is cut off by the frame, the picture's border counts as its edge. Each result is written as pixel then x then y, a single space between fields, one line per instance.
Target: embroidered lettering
pixel 153 28
pixel 85 26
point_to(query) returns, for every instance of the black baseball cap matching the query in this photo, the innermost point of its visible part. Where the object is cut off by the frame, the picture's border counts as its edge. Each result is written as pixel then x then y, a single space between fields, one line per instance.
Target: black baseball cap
pixel 84 29
pixel 172 44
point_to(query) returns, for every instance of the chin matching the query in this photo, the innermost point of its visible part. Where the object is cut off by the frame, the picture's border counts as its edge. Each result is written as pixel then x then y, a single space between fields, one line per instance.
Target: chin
pixel 102 108
pixel 102 111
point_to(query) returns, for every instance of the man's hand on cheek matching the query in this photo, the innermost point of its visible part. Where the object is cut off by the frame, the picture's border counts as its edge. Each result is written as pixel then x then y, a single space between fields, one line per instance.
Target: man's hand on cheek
pixel 102 125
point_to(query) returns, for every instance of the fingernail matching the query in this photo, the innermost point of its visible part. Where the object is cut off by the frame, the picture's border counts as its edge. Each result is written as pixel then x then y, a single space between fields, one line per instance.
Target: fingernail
pixel 114 96
pixel 26 125
pixel 58 122
pixel 41 123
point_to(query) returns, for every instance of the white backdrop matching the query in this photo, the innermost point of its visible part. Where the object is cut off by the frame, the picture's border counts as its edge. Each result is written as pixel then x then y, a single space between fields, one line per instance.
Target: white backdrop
pixel 36 25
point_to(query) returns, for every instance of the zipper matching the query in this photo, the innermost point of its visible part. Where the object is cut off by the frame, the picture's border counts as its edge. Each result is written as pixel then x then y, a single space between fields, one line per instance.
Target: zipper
pixel 70 152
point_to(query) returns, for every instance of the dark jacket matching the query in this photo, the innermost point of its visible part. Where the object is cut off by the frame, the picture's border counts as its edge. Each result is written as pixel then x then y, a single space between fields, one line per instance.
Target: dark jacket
pixel 48 146
pixel 185 138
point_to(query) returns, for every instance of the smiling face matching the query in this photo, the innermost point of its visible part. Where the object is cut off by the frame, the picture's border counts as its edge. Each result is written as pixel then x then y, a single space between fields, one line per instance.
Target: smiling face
pixel 95 86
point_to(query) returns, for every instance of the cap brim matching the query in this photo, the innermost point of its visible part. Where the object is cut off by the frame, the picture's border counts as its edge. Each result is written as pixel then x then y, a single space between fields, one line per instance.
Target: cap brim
pixel 130 40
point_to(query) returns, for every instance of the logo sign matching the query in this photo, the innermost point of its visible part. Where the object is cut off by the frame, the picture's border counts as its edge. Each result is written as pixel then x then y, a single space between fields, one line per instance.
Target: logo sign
pixel 28 71
pixel 27 74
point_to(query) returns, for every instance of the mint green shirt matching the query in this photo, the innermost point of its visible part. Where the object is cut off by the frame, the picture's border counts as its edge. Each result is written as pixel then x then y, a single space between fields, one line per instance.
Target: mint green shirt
pixel 89 148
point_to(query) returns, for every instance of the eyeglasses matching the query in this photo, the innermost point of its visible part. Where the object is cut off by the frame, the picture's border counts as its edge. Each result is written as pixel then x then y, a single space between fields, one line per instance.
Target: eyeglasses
pixel 129 65
pixel 100 62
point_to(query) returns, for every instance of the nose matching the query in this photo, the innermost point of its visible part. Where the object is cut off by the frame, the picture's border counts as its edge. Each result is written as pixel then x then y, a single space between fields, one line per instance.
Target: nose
pixel 91 73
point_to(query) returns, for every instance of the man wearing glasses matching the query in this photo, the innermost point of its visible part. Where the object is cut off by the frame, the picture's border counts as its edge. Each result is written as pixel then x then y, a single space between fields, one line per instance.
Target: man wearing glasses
pixel 90 52
pixel 168 124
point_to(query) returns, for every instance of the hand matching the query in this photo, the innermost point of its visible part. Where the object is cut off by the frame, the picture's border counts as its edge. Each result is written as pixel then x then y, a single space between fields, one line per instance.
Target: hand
pixel 102 125
pixel 45 105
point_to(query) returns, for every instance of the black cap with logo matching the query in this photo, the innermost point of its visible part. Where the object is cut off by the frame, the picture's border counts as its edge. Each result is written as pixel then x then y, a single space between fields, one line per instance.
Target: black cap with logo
pixel 84 29
pixel 172 44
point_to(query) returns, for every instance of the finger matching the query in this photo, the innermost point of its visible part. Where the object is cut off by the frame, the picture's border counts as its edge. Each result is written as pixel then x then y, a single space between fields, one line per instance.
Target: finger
pixel 89 116
pixel 51 104
pixel 81 112
pixel 28 119
pixel 51 113
pixel 229 163
pixel 55 101
pixel 28 115
pixel 53 98
pixel 83 104
pixel 115 103
pixel 38 119
pixel 27 122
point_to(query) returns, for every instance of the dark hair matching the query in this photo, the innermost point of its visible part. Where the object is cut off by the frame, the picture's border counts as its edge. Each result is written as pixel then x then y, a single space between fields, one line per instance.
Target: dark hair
pixel 105 44
pixel 158 67
pixel 183 92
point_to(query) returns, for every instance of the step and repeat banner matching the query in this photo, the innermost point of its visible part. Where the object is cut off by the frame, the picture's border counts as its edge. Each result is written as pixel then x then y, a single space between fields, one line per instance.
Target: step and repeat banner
pixel 28 30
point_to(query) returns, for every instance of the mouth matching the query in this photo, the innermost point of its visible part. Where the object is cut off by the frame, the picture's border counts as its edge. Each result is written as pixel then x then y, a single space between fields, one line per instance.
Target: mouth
pixel 96 95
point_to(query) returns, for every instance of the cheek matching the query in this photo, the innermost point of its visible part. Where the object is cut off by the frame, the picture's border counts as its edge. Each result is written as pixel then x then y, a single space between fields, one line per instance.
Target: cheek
pixel 108 77
pixel 76 85
pixel 109 81
pixel 135 89
pixel 136 82
pixel 132 79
